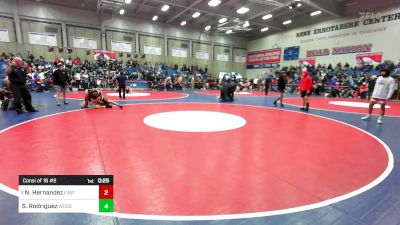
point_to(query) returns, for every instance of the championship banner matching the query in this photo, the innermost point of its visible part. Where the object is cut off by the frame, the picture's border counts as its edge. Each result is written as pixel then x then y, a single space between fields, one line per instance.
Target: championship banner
pixel 82 42
pixel 4 37
pixel 121 46
pixel 202 55
pixel 179 52
pixel 102 54
pixel 48 39
pixel 307 61
pixel 240 58
pixel 369 58
pixel 266 56
pixel 223 57
pixel 152 50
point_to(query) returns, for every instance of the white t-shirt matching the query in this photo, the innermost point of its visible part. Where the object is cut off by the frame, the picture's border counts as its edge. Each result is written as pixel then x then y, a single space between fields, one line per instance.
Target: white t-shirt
pixel 41 76
pixel 384 88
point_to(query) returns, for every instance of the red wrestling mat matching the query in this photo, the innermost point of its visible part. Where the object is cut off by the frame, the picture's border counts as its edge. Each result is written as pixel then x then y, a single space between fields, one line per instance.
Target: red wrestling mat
pixel 135 96
pixel 345 105
pixel 262 160
pixel 241 93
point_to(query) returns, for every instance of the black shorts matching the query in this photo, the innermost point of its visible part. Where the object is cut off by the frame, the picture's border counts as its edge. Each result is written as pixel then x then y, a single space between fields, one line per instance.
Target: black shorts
pixel 103 101
pixel 304 94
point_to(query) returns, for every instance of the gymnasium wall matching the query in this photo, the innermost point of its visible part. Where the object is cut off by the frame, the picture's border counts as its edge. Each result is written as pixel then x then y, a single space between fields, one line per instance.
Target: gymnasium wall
pixel 8 23
pixel 239 66
pixel 40 50
pixel 383 36
pixel 39 17
pixel 73 31
pixel 201 47
pixel 178 44
pixel 224 66
pixel 123 37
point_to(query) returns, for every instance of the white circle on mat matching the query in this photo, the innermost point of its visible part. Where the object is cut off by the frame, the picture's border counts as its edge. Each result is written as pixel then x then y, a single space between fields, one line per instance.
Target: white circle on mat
pixel 242 93
pixel 194 121
pixel 356 104
pixel 135 94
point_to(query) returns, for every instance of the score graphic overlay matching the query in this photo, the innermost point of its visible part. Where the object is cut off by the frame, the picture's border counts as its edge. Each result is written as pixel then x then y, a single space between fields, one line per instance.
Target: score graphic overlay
pixel 66 194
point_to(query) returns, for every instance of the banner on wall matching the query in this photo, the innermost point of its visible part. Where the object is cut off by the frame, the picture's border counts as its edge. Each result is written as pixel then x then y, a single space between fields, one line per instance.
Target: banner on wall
pixel 223 57
pixel 179 52
pixel 267 56
pixel 352 49
pixel 82 42
pixel 369 58
pixel 291 53
pixel 262 66
pixel 121 46
pixel 340 50
pixel 102 54
pixel 152 50
pixel 202 55
pixel 307 61
pixel 240 58
pixel 318 52
pixel 4 37
pixel 48 39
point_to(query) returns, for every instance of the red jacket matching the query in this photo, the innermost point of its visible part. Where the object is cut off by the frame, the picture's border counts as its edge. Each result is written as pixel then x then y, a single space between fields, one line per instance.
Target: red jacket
pixel 306 82
pixel 363 87
pixel 76 61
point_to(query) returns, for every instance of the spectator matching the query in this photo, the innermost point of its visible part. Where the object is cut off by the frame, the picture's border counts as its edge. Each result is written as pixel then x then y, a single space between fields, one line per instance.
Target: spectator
pixel 60 81
pixel 17 74
pixel 383 91
pixel 305 89
pixel 281 88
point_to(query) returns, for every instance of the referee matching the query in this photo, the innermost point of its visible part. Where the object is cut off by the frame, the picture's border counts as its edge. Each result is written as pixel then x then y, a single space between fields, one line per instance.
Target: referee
pixel 17 76
pixel 122 85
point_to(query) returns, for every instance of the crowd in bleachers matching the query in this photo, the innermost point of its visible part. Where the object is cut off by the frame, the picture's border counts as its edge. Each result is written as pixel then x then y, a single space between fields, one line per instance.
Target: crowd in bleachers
pixel 102 73
pixel 341 80
pixel 333 81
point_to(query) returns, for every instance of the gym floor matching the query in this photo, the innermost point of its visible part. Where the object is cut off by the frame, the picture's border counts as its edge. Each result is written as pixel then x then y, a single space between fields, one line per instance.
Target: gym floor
pixel 184 158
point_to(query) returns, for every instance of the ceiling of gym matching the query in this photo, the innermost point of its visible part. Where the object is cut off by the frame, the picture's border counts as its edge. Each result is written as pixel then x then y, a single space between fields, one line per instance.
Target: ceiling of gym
pixel 183 10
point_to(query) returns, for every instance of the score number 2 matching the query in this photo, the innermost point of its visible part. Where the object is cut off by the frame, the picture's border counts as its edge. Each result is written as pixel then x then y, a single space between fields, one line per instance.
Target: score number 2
pixel 106 195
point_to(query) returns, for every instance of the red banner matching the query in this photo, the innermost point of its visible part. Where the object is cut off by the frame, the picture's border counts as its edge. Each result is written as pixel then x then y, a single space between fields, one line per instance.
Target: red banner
pixel 307 61
pixel 102 54
pixel 266 56
pixel 369 58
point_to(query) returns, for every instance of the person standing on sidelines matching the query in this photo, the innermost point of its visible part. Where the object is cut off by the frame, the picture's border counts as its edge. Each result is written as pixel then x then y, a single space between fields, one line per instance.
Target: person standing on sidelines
pixel 383 91
pixel 305 89
pixel 17 75
pixel 60 81
pixel 121 79
pixel 281 87
pixel 267 83
pixel 371 86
